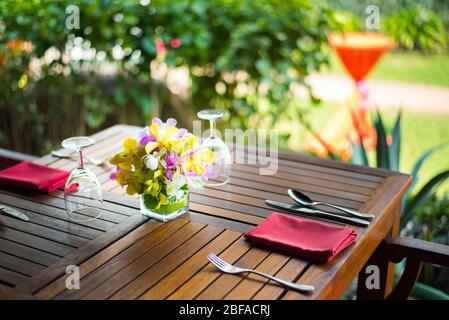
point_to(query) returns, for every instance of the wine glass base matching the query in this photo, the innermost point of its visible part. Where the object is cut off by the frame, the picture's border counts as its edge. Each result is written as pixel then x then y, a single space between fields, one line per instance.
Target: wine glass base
pixel 77 143
pixel 85 214
pixel 220 181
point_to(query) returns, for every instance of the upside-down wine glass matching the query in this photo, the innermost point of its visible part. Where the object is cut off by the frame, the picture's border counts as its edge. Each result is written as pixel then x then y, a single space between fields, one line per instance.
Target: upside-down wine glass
pixel 82 193
pixel 220 168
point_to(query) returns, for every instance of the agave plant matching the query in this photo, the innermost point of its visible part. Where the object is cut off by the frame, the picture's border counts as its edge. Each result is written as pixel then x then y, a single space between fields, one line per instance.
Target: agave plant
pixel 387 157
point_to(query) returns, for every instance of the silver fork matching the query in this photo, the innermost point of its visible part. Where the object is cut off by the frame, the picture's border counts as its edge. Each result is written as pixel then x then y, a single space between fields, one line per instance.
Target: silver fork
pixel 227 268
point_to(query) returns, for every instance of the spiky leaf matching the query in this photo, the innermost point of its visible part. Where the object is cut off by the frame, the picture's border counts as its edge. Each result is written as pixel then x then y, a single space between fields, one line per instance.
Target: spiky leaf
pixel 394 148
pixel 383 160
pixel 359 155
pixel 417 167
pixel 421 196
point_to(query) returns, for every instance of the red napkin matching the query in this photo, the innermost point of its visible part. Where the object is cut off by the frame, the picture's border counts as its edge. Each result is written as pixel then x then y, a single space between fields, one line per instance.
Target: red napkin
pixel 310 239
pixel 34 176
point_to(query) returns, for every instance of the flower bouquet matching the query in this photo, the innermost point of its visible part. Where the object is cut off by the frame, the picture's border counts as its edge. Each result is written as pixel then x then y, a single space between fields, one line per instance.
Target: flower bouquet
pixel 162 165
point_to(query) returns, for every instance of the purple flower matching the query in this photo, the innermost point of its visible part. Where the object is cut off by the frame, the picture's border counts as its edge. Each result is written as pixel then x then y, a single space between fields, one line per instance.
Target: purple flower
pixel 171 122
pixel 181 133
pixel 172 161
pixel 113 175
pixel 145 139
pixel 210 174
pixel 157 121
pixel 168 174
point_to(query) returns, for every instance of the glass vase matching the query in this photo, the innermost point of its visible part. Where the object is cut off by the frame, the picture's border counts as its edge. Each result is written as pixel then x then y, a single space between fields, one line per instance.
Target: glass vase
pixel 164 212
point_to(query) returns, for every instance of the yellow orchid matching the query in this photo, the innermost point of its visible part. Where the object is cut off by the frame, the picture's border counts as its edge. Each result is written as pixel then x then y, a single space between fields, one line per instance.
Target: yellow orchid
pixel 207 156
pixel 125 160
pixel 163 133
pixel 129 145
pixel 190 143
pixel 197 161
pixel 166 137
pixel 150 146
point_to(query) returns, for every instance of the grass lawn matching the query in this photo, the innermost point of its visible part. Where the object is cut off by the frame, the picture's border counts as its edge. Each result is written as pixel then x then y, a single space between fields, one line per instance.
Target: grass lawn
pixel 420 132
pixel 406 67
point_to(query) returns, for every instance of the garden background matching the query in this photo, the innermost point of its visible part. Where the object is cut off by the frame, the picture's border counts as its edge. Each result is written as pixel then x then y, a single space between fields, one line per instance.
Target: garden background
pixel 268 62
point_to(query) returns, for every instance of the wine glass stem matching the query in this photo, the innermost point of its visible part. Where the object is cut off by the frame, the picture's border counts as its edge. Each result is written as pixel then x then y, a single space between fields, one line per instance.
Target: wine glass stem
pixel 213 128
pixel 80 159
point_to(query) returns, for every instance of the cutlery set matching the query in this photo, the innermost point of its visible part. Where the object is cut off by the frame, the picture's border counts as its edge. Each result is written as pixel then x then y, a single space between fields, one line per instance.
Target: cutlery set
pixel 306 206
pixel 317 213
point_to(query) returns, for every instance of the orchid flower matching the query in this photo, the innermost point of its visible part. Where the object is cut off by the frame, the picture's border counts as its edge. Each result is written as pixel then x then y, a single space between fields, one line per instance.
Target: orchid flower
pixel 163 133
pixel 162 163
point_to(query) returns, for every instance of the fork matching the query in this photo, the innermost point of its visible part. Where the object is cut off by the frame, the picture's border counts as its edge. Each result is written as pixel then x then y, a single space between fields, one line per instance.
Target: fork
pixel 227 268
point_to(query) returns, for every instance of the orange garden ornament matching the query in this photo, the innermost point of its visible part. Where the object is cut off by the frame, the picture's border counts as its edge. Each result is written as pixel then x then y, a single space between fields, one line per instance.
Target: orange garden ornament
pixel 358 52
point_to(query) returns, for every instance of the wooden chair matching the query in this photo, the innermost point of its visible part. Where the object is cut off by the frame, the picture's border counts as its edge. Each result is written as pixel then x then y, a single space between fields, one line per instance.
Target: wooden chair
pixel 416 252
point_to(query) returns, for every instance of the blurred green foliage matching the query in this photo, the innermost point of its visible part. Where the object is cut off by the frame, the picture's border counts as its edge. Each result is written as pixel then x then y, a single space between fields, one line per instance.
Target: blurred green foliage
pixel 431 221
pixel 241 55
pixel 417 28
pixel 413 24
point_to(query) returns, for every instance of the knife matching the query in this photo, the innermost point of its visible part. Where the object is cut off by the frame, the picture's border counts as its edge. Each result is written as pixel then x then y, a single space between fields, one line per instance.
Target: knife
pixel 317 213
pixel 14 213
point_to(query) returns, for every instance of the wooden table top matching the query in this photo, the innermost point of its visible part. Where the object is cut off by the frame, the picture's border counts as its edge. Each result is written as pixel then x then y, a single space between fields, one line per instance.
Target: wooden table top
pixel 124 255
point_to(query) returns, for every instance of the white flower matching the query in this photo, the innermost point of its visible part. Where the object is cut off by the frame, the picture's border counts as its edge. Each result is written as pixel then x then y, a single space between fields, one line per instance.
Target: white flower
pixel 196 182
pixel 151 162
pixel 174 186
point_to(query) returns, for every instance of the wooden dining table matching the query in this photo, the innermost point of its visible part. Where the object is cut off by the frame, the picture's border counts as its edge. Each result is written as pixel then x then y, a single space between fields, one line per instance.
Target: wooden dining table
pixel 125 255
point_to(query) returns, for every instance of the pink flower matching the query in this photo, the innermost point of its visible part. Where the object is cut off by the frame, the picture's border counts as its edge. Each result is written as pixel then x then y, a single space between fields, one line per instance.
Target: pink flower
pixel 175 43
pixel 161 48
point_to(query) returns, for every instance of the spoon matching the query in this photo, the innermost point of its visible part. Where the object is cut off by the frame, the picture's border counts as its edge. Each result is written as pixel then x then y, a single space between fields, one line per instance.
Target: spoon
pixel 67 155
pixel 304 200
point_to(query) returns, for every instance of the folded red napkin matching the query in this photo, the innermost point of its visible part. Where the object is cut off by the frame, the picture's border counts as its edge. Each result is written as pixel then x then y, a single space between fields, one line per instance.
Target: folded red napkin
pixel 310 239
pixel 34 176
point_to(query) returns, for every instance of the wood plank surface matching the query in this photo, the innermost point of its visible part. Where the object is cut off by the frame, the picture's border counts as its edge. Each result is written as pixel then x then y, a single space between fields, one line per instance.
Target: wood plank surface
pixel 124 255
